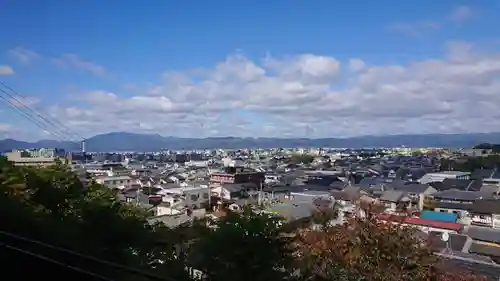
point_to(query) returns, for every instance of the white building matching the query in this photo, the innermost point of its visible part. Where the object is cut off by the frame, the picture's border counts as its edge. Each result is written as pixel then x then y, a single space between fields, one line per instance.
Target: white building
pixel 181 197
pixel 441 176
pixel 115 181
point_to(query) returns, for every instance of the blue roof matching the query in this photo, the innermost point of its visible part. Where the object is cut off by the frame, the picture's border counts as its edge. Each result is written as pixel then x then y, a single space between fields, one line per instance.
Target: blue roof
pixel 438 216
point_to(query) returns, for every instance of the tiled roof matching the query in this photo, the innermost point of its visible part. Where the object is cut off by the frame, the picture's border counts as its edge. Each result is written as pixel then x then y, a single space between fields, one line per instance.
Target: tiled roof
pixel 421 222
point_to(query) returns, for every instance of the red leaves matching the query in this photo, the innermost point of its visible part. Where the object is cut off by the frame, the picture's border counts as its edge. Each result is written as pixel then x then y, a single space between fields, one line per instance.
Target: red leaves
pixel 374 250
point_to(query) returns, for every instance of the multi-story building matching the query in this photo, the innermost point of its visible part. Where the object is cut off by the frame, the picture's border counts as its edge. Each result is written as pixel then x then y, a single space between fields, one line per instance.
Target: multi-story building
pixel 237 175
pixel 36 157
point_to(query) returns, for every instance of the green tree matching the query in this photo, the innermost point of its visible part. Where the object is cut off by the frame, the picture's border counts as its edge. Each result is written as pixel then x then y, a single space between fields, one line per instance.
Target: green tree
pixel 244 246
pixel 417 153
pixel 51 205
pixel 301 158
pixel 469 164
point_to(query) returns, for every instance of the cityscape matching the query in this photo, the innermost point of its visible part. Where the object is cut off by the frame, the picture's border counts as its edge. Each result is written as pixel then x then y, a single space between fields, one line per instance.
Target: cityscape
pixel 435 190
pixel 263 141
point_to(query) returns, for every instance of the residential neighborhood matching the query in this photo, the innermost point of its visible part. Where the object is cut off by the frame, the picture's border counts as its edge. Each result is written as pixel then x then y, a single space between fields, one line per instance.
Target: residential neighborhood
pixel 408 187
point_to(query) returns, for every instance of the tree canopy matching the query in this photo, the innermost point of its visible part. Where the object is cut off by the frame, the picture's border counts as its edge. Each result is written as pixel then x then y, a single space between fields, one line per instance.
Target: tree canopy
pixel 469 164
pixel 244 246
pixel 52 205
pixel 299 158
pixel 495 148
pixel 367 249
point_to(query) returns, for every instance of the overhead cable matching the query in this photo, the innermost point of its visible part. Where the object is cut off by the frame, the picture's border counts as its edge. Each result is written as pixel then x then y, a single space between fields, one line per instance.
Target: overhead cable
pixel 52 121
pixel 87 257
pixel 33 116
pixel 30 117
pixel 47 259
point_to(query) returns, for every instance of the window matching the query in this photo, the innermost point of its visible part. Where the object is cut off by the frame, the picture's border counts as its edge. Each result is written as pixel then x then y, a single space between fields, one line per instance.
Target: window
pixel 194 197
pixel 205 195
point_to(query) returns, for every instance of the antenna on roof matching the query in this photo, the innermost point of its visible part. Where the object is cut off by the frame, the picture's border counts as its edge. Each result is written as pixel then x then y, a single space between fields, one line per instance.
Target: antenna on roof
pixel 445 237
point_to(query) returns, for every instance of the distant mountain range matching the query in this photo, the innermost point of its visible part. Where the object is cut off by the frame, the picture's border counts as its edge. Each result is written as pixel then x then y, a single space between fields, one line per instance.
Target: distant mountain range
pixel 120 141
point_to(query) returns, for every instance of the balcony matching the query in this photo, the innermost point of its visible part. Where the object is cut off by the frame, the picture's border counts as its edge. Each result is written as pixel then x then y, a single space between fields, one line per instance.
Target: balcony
pixel 482 220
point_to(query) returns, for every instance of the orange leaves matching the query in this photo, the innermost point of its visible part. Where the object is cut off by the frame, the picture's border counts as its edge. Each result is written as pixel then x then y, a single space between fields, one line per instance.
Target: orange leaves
pixel 367 248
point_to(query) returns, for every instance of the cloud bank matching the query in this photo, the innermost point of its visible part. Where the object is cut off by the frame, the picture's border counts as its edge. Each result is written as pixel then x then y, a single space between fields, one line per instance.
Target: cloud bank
pixel 305 95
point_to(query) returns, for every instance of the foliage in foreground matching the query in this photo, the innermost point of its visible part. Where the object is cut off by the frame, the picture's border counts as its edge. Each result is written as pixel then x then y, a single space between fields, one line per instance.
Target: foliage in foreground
pixel 366 249
pixel 52 205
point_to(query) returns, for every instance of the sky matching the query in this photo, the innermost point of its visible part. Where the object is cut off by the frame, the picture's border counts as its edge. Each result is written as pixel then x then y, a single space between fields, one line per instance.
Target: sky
pixel 281 68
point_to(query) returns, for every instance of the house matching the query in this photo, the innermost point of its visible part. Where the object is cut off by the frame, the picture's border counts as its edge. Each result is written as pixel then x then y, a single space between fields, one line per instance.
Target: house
pixel 438 216
pixel 466 262
pixel 456 201
pixel 407 173
pixel 394 199
pixel 486 212
pixel 483 234
pixel 480 174
pixel 415 191
pixel 297 214
pixel 348 195
pixel 178 218
pixel 485 241
pixel 322 178
pixel 115 182
pixel 369 182
pixel 424 225
pixel 441 176
pixel 347 200
pixel 309 196
pixel 456 242
pixel 233 191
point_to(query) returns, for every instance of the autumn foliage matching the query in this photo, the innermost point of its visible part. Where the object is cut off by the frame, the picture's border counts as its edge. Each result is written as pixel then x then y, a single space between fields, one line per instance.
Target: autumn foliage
pixel 367 249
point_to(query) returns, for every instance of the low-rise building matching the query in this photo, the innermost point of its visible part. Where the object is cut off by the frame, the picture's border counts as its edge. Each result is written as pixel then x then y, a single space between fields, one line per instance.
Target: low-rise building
pixel 41 157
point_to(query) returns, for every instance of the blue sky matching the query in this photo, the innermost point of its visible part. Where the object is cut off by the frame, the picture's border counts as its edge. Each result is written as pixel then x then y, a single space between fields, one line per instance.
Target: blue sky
pixel 252 68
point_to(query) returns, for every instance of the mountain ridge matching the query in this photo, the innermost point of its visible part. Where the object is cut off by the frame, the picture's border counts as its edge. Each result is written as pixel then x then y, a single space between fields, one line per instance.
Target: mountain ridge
pixel 124 141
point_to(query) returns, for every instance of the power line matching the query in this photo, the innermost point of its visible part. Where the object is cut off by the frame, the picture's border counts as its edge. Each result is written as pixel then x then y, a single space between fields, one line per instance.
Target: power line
pixel 54 122
pixel 87 257
pixel 18 104
pixel 41 257
pixel 29 117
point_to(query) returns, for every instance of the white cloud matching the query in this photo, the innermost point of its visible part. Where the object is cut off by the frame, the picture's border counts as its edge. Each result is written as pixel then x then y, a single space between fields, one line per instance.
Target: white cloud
pixel 356 65
pixel 461 13
pixel 73 61
pixel 4 128
pixel 414 29
pixel 24 101
pixel 23 55
pixel 306 95
pixel 6 70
